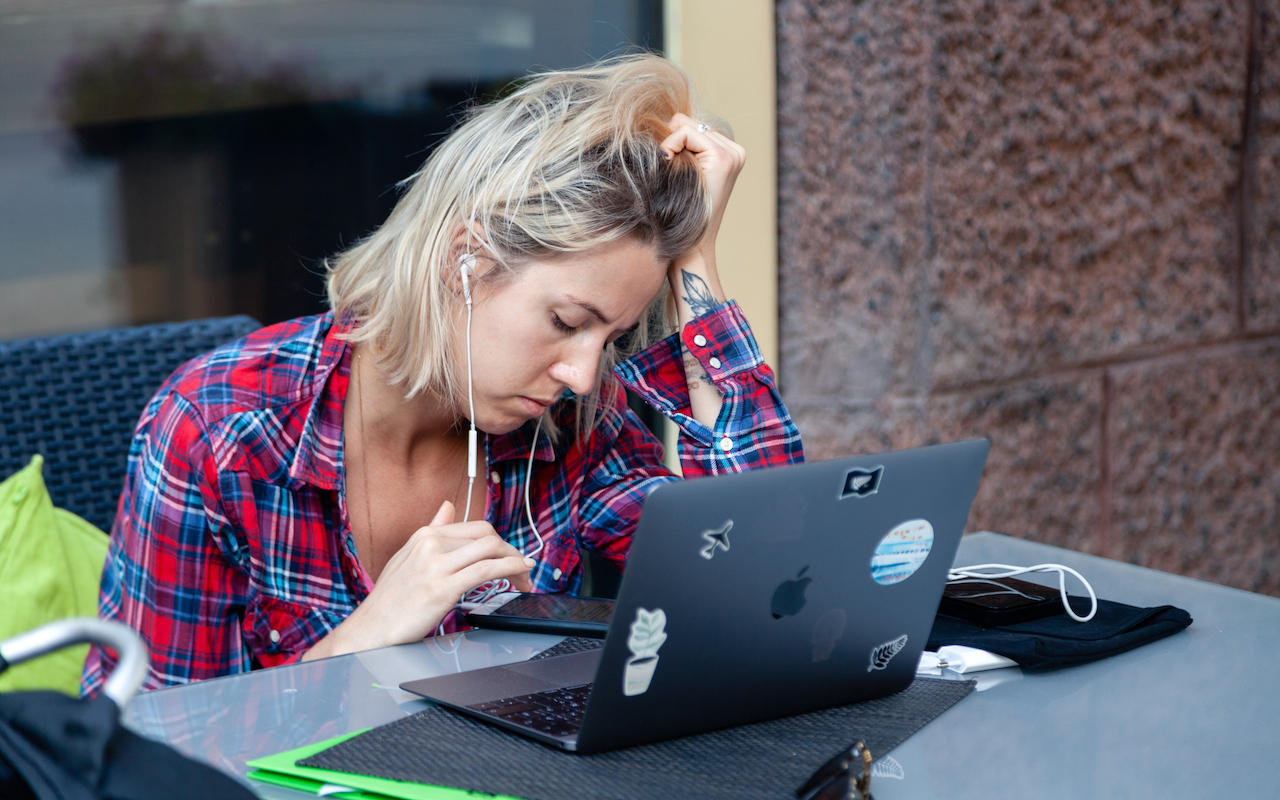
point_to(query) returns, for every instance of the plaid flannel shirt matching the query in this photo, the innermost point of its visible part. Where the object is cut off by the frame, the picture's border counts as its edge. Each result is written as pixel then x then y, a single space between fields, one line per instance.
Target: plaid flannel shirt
pixel 232 549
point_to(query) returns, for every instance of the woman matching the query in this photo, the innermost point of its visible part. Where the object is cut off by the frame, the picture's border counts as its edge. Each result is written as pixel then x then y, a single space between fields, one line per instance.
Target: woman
pixel 297 494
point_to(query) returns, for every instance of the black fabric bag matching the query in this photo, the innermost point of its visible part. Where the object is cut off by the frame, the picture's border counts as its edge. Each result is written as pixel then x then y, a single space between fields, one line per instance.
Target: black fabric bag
pixel 1060 641
pixel 54 747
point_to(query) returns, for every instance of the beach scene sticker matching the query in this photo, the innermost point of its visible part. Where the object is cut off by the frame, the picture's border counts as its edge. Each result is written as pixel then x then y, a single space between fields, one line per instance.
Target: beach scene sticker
pixel 902 551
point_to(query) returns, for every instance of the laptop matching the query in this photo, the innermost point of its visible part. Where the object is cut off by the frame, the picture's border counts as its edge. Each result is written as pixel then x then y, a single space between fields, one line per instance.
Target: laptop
pixel 750 597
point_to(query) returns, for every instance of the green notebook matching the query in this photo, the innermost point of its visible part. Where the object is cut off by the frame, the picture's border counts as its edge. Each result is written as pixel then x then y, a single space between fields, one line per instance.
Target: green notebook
pixel 282 770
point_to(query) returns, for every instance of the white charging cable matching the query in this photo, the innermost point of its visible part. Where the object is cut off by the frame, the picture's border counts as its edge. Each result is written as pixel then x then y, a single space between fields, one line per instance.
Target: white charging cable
pixel 996 571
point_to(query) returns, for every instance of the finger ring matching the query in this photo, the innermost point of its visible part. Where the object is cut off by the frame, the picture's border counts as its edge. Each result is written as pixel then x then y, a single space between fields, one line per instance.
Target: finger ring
pixel 703 127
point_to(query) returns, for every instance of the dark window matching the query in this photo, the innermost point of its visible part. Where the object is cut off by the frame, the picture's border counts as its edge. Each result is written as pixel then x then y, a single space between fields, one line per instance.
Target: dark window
pixel 165 161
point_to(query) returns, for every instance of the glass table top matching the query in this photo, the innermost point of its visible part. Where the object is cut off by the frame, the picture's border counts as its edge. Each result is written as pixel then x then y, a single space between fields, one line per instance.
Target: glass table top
pixel 1193 713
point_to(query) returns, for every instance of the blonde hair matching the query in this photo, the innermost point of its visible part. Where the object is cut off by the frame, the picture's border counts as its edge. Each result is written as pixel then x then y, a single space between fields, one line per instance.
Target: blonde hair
pixel 569 161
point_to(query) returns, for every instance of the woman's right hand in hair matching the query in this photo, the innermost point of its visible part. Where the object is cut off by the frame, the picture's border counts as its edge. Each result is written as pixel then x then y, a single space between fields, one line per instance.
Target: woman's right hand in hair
pixel 424 581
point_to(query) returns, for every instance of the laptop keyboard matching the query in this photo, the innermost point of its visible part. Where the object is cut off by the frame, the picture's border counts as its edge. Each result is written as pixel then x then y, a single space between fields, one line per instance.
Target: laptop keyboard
pixel 557 712
pixel 571 644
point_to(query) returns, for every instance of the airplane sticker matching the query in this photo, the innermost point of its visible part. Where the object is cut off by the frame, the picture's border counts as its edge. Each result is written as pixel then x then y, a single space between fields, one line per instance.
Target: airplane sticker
pixel 716 540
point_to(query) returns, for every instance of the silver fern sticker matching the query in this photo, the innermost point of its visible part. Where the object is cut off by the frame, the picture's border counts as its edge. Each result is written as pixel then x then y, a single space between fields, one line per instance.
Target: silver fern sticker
pixel 881 655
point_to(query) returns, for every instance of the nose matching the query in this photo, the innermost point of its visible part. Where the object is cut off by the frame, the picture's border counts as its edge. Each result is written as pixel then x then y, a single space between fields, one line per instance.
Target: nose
pixel 577 368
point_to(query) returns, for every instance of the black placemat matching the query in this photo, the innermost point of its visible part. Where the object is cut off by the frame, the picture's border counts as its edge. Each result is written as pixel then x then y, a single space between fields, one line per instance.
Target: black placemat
pixel 765 760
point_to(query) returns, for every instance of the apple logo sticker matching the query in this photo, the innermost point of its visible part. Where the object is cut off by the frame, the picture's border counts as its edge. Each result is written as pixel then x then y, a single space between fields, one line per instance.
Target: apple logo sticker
pixel 789 597
pixel 902 551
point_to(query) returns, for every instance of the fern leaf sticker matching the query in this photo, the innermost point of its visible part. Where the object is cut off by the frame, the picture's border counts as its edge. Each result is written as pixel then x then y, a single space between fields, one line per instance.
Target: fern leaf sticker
pixel 888 767
pixel 881 655
pixel 648 632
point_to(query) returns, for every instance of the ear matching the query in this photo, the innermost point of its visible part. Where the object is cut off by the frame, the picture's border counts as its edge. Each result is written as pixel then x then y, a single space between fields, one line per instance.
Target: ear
pixel 467 238
pixel 466 259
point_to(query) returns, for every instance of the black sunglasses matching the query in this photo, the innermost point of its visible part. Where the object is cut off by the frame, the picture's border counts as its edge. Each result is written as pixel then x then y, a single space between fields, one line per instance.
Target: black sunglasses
pixel 845 777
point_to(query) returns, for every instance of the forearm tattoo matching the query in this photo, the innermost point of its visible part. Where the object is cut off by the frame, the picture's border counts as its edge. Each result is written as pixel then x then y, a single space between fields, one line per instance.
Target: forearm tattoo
pixel 696 293
pixel 693 372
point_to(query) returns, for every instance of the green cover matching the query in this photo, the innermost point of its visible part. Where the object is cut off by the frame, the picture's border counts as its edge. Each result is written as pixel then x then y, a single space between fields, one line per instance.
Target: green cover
pixel 282 770
pixel 50 567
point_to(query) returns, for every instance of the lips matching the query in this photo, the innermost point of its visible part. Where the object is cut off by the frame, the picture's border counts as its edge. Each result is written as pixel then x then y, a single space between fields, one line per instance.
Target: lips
pixel 535 406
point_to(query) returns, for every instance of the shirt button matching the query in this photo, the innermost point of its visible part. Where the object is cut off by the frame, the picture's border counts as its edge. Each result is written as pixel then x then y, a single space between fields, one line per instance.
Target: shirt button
pixel 494 477
pixel 726 444
pixel 275 637
pixel 556 574
pixel 700 340
pixel 714 362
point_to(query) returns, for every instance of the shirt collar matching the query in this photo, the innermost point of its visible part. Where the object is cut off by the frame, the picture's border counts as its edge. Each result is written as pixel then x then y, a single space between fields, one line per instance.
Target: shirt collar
pixel 318 457
pixel 516 444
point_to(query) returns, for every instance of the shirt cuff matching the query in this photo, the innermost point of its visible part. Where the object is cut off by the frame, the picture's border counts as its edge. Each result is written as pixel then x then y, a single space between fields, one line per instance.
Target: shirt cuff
pixel 722 342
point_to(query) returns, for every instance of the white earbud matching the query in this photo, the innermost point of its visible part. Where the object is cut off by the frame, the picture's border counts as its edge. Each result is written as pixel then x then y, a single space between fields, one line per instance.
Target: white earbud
pixel 466 266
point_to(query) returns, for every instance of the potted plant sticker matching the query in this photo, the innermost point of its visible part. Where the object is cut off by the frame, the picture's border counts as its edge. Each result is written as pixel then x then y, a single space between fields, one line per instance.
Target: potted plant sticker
pixel 647 635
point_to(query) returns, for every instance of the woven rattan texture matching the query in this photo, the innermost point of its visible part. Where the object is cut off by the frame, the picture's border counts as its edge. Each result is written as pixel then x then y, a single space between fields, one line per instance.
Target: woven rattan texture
pixel 766 760
pixel 75 399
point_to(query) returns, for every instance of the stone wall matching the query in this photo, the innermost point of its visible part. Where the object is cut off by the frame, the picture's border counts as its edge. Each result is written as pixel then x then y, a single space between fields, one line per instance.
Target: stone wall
pixel 1056 225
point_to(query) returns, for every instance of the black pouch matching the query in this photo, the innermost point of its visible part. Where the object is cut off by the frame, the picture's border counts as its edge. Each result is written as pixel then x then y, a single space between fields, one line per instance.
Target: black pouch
pixel 1060 641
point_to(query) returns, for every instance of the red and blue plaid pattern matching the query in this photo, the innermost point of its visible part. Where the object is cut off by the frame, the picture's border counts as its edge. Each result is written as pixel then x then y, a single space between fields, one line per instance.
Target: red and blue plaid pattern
pixel 232 548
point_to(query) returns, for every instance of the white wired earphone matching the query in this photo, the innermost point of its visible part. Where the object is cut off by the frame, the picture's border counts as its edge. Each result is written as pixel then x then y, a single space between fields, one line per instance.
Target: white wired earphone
pixel 487 590
pixel 989 573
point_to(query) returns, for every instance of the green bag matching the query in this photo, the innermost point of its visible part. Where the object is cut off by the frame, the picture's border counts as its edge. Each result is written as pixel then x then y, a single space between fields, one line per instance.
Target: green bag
pixel 50 567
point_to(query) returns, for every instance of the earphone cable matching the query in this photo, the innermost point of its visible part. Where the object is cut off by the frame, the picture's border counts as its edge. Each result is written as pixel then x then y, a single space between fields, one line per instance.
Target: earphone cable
pixel 528 479
pixel 472 437
pixel 487 590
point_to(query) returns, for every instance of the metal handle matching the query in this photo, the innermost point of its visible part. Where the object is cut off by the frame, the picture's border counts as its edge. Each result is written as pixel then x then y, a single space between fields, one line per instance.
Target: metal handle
pixel 125 679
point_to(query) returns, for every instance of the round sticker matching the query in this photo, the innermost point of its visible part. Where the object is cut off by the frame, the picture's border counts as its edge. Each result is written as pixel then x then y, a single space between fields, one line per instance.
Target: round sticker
pixel 902 551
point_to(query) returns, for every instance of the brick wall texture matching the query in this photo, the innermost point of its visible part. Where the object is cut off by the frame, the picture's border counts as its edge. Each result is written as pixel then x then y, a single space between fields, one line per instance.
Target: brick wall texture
pixel 1056 225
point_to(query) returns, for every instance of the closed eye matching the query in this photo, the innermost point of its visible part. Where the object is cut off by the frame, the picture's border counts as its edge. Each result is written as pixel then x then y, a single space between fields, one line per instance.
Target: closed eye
pixel 561 325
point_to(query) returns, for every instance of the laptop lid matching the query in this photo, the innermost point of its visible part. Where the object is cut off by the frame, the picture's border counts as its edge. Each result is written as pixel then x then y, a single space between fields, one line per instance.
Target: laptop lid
pixel 759 595
pixel 775 592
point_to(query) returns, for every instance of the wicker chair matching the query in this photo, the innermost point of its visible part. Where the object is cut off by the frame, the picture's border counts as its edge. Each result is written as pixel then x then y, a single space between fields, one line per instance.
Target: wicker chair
pixel 75 399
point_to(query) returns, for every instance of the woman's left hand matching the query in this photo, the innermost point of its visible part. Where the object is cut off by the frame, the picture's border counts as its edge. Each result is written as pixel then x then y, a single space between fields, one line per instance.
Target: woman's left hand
pixel 721 159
